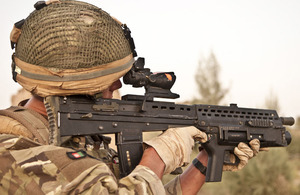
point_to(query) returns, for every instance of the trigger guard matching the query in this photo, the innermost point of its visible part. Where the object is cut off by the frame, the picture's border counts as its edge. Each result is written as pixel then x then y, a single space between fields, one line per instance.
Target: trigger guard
pixel 229 160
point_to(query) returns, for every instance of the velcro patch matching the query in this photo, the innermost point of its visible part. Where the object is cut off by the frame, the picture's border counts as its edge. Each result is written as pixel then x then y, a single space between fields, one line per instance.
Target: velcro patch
pixel 76 155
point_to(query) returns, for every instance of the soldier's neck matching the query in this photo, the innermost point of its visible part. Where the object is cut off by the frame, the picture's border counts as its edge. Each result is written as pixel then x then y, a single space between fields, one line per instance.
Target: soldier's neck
pixel 36 103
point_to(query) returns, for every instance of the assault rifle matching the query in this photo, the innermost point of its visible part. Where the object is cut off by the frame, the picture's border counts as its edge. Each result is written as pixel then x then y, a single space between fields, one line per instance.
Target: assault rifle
pixel 128 118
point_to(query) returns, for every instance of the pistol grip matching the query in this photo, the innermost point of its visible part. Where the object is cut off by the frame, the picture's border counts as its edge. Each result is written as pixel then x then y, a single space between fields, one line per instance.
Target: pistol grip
pixel 216 154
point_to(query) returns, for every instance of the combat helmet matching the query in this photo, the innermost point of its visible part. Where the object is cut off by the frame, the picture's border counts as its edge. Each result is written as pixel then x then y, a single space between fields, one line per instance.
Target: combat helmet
pixel 68 47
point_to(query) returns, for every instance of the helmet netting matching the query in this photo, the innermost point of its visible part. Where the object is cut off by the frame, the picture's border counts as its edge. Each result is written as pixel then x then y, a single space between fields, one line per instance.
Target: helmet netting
pixel 71 35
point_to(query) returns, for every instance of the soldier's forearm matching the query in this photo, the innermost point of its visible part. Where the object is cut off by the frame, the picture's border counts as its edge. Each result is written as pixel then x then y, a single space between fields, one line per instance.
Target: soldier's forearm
pixel 152 160
pixel 192 179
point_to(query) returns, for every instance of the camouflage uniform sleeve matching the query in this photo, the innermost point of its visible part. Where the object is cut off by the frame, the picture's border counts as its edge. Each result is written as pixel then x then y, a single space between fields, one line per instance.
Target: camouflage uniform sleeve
pixel 143 181
pixel 28 167
pixel 173 187
pixel 31 168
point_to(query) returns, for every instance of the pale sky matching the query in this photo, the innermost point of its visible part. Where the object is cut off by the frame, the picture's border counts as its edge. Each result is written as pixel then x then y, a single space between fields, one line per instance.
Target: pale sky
pixel 256 42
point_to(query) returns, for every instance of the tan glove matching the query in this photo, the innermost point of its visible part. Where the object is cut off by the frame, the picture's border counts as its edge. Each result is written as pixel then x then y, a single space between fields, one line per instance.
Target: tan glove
pixel 175 145
pixel 244 153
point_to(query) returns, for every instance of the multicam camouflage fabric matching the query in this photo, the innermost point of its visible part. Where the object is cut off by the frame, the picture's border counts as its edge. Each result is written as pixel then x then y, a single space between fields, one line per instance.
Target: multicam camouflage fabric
pixel 27 167
pixel 47 170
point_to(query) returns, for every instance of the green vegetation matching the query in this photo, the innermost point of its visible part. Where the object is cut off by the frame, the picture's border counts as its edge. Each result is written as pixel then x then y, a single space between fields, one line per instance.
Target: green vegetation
pixel 271 172
pixel 275 172
pixel 207 79
pixel 294 148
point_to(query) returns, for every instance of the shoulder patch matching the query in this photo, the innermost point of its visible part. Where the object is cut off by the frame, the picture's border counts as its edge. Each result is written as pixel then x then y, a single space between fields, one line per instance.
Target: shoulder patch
pixel 77 154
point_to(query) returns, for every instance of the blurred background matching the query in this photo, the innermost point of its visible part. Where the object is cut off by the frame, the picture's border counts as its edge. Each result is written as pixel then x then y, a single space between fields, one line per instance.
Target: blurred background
pixel 236 51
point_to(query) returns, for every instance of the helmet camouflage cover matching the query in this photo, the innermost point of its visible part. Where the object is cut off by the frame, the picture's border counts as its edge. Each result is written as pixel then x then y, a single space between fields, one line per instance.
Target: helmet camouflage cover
pixel 70 47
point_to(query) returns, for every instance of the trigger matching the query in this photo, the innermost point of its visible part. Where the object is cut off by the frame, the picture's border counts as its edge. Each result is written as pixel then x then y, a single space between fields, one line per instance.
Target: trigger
pixel 230 158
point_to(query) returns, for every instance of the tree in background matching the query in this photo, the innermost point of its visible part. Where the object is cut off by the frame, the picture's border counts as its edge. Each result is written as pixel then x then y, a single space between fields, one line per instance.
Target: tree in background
pixel 297 124
pixel 208 82
pixel 209 88
pixel 272 102
pixel 294 147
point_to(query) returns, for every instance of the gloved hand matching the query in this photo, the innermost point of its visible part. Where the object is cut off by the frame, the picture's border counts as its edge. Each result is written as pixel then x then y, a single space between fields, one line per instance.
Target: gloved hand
pixel 175 145
pixel 244 153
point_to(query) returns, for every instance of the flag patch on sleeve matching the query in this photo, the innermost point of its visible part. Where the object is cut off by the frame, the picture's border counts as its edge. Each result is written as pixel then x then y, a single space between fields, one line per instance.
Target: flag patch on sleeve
pixel 77 155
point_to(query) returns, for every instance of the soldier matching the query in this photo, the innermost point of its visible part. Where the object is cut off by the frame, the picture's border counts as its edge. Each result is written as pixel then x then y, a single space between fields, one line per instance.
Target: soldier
pixel 68 47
